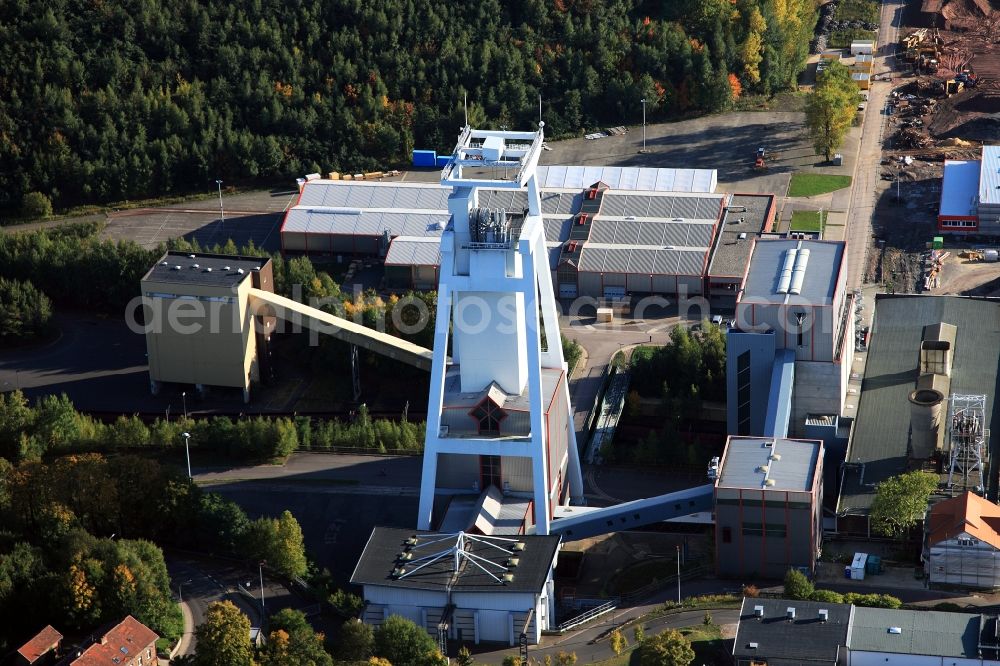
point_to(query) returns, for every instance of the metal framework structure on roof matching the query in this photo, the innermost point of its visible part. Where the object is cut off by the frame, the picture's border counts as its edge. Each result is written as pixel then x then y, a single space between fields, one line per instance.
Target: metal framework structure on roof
pixel 969 440
pixel 458 550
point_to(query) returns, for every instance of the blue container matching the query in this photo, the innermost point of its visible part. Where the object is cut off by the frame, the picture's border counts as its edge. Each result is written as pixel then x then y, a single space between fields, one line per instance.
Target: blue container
pixel 425 158
pixel 847 573
pixel 443 160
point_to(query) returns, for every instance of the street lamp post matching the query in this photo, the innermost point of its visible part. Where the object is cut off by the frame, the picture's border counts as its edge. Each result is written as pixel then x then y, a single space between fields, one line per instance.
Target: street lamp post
pixel 643 100
pixel 222 212
pixel 185 402
pixel 678 574
pixel 187 451
pixel 260 568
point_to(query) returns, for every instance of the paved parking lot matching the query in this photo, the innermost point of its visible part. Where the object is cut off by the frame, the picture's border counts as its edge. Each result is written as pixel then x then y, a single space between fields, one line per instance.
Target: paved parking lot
pixel 252 216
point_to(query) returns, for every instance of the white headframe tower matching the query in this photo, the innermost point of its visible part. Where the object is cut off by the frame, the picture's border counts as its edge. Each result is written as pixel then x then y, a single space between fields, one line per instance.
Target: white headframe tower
pixel 499 414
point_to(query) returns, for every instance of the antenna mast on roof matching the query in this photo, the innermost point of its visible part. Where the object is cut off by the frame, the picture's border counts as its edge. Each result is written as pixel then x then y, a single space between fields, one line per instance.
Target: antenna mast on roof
pixel 465 104
pixel 539 109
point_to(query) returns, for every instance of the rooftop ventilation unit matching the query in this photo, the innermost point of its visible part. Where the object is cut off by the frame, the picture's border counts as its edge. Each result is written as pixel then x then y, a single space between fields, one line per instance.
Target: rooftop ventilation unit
pixel 775 456
pixel 824 615
pixel 513 562
pixel 769 483
pixel 508 578
pixel 519 546
pixel 226 268
pixel 799 271
pixel 790 612
pixel 195 266
pixel 240 271
pixel 763 468
pixel 208 270
pixel 786 271
pixel 163 263
pixel 758 611
pixel 190 256
pixel 895 630
pixel 176 268
pixel 752 646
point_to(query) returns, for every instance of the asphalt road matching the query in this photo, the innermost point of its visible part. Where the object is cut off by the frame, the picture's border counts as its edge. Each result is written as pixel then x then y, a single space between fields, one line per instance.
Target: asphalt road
pixel 198 582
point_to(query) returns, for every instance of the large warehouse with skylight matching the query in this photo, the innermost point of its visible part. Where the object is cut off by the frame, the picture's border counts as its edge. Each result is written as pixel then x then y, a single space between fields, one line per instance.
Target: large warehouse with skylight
pixel 610 231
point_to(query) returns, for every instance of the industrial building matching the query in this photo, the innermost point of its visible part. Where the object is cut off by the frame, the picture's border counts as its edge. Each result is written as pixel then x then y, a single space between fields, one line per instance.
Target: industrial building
pixel 462 586
pixel 609 231
pixel 787 632
pixel 962 542
pixel 748 218
pixel 199 327
pixel 927 394
pixel 970 195
pixel 790 351
pixel 768 506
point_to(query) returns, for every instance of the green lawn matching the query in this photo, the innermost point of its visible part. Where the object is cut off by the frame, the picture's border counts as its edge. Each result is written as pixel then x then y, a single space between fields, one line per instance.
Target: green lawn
pixel 806 220
pixel 857 10
pixel 841 39
pixel 706 640
pixel 811 184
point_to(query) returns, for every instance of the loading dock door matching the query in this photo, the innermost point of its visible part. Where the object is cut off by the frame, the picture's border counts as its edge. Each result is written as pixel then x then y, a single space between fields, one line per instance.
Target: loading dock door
pixel 614 293
pixel 567 291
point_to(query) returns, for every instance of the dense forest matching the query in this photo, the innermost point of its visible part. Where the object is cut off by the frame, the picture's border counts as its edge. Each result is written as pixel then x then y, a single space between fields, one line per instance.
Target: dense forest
pixel 105 101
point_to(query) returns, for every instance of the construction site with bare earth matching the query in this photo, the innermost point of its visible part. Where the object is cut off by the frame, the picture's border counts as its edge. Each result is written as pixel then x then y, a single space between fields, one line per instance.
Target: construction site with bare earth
pixel 944 105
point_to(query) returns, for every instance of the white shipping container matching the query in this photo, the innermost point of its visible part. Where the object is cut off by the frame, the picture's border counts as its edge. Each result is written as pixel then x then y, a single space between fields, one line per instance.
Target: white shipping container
pixel 858 566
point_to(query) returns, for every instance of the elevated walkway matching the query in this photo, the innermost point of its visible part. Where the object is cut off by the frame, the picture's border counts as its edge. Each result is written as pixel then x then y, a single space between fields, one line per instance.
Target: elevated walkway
pixel 779 404
pixel 583 522
pixel 266 303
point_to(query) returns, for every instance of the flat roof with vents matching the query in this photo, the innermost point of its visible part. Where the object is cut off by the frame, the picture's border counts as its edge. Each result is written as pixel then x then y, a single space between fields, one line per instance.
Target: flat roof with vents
pixel 916 633
pixel 219 270
pixel 815 283
pixel 751 462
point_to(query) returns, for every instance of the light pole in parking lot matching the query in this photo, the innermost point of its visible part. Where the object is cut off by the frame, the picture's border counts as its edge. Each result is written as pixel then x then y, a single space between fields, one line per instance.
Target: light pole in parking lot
pixel 643 100
pixel 260 570
pixel 222 224
pixel 187 450
pixel 184 402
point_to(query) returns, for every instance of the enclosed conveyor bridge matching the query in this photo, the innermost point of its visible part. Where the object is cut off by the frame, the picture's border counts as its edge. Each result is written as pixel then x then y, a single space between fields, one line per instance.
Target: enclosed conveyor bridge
pixel 267 303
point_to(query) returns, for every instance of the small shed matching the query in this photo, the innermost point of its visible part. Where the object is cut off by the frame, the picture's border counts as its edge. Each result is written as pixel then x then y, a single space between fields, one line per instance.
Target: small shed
pixel 864 81
pixel 863 47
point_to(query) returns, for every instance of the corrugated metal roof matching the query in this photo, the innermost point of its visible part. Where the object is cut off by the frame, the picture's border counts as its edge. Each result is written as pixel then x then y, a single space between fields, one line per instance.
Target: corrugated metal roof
pixel 881 427
pixel 364 223
pixel 629 178
pixel 960 188
pixel 820 280
pixel 556 229
pixel 409 251
pixel 927 633
pixel 989 176
pixel 746 456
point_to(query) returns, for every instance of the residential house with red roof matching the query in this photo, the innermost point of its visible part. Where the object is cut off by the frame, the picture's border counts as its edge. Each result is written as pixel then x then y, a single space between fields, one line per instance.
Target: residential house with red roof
pixel 42 648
